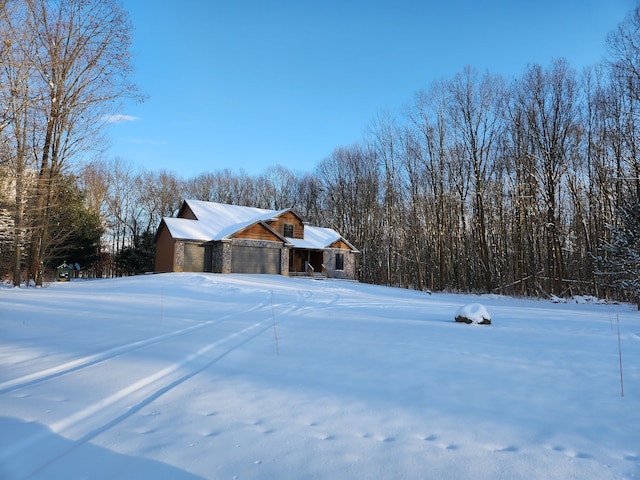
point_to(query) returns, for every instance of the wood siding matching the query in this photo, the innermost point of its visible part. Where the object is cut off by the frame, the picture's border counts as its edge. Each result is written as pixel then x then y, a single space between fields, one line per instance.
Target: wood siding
pixel 291 219
pixel 257 231
pixel 186 212
pixel 340 244
pixel 165 250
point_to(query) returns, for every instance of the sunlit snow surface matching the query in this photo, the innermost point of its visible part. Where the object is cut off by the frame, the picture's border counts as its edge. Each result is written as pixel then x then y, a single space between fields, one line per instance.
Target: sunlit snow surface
pixel 183 376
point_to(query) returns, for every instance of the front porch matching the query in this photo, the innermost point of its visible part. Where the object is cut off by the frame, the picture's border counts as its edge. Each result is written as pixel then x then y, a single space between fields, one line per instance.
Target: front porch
pixel 322 263
pixel 307 262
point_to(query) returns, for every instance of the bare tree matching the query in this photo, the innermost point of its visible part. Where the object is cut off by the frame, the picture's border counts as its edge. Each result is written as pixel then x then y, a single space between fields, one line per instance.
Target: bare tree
pixel 350 181
pixel 222 186
pixel 477 117
pixel 16 119
pixel 159 195
pixel 94 182
pixel 122 212
pixel 386 144
pixel 309 199
pixel 624 64
pixel 624 49
pixel 75 66
pixel 550 98
pixel 276 188
pixel 427 178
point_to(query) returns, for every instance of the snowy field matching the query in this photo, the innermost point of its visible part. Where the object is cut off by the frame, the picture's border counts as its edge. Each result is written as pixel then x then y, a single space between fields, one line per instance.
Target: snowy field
pixel 186 376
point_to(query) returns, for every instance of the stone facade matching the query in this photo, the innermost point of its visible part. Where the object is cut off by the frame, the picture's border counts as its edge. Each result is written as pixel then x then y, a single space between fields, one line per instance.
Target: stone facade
pixel 284 263
pixel 218 257
pixel 179 256
pixel 348 267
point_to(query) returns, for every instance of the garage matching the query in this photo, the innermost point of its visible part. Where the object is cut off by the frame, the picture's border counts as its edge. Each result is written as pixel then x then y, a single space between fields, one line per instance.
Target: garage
pixel 246 259
pixel 193 257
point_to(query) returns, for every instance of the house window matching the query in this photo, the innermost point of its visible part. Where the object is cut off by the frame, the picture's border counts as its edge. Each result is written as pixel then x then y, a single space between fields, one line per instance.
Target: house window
pixel 288 230
pixel 339 261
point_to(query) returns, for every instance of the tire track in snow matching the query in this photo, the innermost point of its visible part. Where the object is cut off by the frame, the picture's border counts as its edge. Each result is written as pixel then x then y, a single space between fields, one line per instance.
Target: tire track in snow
pixel 86 424
pixel 80 363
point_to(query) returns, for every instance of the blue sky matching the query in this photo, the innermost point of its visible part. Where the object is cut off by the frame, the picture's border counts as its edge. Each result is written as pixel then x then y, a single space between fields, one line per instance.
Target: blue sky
pixel 249 84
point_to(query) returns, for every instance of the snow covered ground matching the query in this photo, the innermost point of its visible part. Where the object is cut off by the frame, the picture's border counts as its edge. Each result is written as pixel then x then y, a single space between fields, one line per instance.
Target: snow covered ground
pixel 185 376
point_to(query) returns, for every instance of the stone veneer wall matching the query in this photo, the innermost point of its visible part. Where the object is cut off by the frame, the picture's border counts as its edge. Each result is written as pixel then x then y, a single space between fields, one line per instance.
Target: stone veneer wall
pixel 179 257
pixel 349 266
pixel 220 257
pixel 284 261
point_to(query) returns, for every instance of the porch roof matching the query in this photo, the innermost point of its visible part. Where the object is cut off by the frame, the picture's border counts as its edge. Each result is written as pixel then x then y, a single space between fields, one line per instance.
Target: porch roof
pixel 317 238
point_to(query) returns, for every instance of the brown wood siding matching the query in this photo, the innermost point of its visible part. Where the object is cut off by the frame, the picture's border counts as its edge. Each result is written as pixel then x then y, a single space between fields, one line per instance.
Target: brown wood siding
pixel 257 232
pixel 340 244
pixel 165 250
pixel 186 212
pixel 291 219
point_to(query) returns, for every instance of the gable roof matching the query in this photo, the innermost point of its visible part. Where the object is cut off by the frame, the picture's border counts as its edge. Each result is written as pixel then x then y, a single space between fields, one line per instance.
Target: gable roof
pixel 219 221
pixel 318 237
pixel 215 221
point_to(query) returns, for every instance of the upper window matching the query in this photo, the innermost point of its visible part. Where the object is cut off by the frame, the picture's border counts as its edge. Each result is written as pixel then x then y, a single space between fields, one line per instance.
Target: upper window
pixel 288 230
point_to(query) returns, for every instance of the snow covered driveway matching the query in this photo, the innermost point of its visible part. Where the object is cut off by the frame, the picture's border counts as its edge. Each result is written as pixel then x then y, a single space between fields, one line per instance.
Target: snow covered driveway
pixel 249 376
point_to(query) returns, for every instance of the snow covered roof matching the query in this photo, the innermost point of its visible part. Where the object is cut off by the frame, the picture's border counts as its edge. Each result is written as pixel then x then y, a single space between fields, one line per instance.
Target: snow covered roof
pixel 223 214
pixel 217 221
pixel 317 237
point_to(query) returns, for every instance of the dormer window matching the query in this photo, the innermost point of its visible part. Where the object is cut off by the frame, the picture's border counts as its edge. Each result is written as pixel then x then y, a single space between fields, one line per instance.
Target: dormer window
pixel 288 230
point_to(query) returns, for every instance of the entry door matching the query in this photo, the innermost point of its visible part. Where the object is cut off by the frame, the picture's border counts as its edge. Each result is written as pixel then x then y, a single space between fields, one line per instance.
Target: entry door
pixel 316 259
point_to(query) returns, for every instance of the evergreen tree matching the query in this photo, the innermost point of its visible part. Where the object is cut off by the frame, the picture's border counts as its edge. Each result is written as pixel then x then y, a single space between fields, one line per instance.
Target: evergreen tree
pixel 139 257
pixel 75 231
pixel 619 266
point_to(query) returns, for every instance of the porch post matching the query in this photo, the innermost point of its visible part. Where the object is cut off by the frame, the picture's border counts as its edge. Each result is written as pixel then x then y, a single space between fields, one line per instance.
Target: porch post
pixel 284 260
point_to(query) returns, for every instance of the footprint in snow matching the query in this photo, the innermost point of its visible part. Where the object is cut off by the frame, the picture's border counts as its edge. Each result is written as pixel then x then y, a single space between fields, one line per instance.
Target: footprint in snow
pixel 507 449
pixel 582 455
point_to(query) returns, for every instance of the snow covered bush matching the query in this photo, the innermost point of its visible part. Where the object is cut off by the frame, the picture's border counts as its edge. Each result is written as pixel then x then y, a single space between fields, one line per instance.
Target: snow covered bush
pixel 619 265
pixel 473 313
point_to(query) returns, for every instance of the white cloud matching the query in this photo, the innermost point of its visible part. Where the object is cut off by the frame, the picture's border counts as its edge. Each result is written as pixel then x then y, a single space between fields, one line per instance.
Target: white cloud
pixel 119 118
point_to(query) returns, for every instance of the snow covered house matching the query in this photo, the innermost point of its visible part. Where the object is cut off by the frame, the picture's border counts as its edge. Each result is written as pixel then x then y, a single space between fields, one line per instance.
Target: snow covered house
pixel 220 238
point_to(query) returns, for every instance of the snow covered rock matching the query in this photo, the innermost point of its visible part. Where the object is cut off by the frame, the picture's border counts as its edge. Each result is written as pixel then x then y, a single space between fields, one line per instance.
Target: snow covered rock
pixel 473 313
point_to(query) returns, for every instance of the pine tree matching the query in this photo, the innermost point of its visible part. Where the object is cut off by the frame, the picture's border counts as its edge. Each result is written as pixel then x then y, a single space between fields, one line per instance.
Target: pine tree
pixel 619 265
pixel 138 258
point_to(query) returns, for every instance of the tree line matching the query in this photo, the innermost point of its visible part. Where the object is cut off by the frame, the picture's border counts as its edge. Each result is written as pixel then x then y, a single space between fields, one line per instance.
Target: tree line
pixel 525 187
